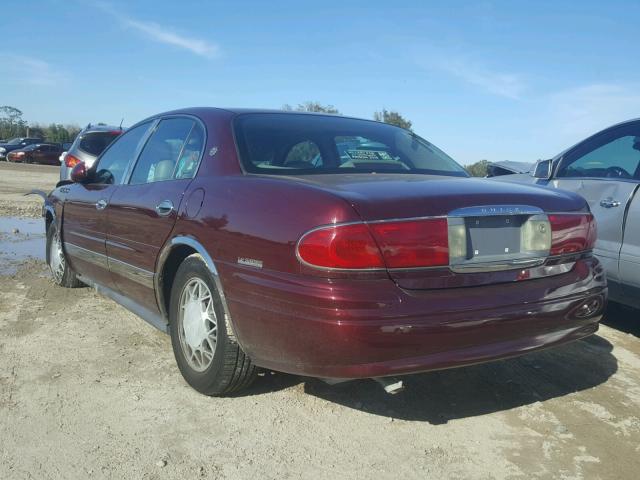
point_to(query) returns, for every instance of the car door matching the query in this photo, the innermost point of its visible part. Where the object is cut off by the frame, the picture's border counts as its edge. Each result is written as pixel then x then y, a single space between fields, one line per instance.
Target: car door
pixel 630 254
pixel 35 155
pixel 86 205
pixel 605 171
pixel 143 211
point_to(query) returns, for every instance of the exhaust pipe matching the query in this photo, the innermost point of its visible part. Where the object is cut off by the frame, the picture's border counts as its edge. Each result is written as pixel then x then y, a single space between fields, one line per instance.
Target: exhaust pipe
pixel 391 385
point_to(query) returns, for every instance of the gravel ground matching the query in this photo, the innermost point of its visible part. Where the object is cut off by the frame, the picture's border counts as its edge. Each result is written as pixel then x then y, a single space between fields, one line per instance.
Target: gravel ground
pixel 88 390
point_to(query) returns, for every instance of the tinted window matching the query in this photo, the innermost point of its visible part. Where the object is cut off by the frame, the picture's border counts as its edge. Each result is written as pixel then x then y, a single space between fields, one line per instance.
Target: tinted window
pixel 160 155
pixel 113 164
pixel 94 143
pixel 612 155
pixel 299 144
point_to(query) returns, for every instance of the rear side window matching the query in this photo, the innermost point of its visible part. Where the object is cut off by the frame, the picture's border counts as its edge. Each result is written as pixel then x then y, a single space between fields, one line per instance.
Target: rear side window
pixel 299 144
pixel 160 156
pixel 94 143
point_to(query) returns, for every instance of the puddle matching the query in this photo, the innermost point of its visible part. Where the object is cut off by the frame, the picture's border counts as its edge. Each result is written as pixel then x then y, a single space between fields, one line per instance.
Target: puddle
pixel 20 238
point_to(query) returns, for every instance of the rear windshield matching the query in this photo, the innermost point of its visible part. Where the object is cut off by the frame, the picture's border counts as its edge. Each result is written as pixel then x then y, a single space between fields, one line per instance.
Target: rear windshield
pixel 298 144
pixel 94 143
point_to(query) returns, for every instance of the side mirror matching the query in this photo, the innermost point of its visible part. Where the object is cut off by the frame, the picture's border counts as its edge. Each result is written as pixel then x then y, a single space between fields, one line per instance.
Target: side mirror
pixel 79 173
pixel 542 169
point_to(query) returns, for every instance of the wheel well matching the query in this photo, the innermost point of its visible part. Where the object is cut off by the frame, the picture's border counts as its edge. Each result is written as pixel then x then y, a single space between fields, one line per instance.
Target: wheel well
pixel 169 269
pixel 47 220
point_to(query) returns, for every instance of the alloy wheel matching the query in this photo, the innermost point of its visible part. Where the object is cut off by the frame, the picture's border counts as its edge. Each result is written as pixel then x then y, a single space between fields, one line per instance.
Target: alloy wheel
pixel 197 324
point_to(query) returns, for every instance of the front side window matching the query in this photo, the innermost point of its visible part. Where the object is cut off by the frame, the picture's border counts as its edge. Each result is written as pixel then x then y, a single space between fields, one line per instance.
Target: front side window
pixel 112 165
pixel 299 144
pixel 615 155
pixel 159 158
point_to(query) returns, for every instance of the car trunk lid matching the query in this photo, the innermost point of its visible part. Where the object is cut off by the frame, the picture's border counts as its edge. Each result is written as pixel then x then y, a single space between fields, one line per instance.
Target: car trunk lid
pixel 490 224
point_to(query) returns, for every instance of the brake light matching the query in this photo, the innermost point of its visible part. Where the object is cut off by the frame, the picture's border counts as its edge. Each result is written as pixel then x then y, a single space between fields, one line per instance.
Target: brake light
pixel 71 161
pixel 340 246
pixel 413 243
pixel 401 244
pixel 572 233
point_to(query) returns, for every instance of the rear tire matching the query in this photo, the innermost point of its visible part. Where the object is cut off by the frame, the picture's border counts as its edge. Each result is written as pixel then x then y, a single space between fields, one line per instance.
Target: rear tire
pixel 62 273
pixel 206 351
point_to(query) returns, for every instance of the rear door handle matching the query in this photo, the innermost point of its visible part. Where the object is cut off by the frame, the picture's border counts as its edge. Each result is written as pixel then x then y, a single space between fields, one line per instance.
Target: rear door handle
pixel 101 204
pixel 164 208
pixel 609 203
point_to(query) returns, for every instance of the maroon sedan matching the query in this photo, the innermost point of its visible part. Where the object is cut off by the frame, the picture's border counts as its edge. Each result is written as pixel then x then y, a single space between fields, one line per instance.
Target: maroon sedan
pixel 43 153
pixel 321 245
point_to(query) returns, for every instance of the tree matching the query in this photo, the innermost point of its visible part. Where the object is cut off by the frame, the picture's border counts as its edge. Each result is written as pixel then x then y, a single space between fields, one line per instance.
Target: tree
pixel 478 169
pixel 11 122
pixel 312 107
pixel 392 117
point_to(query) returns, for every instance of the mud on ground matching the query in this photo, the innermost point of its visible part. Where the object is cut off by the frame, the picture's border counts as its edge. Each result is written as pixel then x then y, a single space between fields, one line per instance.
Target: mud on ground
pixel 88 390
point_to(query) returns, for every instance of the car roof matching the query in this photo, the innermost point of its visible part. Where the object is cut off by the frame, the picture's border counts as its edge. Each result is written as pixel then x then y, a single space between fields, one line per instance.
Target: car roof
pixel 204 112
pixel 102 128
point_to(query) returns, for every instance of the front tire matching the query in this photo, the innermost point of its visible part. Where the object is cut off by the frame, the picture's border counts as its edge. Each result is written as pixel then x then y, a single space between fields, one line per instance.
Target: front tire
pixel 62 273
pixel 207 353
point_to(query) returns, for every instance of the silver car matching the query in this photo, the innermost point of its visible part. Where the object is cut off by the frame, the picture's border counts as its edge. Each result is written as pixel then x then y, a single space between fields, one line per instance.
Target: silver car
pixel 605 170
pixel 87 146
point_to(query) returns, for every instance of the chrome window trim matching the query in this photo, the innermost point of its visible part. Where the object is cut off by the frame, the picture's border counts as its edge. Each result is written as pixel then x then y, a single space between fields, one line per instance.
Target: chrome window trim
pixel 156 122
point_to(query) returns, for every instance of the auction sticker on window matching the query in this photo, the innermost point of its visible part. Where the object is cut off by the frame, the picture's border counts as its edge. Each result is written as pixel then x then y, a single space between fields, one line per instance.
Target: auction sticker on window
pixel 368 155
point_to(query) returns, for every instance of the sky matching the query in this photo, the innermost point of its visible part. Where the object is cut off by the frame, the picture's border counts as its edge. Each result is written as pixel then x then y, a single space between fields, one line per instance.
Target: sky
pixel 493 80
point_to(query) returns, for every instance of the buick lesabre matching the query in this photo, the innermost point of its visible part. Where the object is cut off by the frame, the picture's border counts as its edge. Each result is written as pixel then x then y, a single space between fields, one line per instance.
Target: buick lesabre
pixel 321 245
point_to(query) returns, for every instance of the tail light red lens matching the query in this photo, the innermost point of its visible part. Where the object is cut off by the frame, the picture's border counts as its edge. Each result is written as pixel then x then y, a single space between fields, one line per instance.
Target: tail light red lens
pixel 403 244
pixel 340 246
pixel 413 243
pixel 71 161
pixel 572 233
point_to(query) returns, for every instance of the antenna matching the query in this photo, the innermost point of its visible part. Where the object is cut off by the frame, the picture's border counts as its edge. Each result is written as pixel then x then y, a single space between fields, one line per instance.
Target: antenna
pixel 121 123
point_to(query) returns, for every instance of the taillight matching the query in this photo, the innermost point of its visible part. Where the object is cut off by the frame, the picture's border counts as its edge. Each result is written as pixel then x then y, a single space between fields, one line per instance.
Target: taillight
pixel 340 246
pixel 413 243
pixel 572 233
pixel 71 161
pixel 401 244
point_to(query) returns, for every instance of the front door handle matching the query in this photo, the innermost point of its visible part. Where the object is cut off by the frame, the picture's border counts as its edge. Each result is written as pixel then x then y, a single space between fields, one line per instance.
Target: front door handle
pixel 609 203
pixel 101 204
pixel 164 208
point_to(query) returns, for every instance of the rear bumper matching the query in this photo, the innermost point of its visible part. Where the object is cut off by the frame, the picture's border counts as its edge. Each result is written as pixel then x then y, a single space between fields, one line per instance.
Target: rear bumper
pixel 369 328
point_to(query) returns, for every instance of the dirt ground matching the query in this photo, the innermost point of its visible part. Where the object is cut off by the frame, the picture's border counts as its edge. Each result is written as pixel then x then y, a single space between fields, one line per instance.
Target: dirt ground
pixel 88 390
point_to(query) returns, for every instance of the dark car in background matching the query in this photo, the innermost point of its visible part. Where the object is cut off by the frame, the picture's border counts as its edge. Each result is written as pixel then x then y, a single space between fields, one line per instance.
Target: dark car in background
pixel 42 153
pixel 16 144
pixel 87 146
pixel 322 246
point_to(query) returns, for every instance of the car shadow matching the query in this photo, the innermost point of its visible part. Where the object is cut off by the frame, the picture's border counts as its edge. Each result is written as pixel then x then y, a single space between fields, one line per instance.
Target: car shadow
pixel 623 318
pixel 439 396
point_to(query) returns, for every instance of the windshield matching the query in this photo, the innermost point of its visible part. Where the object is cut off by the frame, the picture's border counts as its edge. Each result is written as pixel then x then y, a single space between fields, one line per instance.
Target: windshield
pixel 14 141
pixel 299 144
